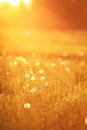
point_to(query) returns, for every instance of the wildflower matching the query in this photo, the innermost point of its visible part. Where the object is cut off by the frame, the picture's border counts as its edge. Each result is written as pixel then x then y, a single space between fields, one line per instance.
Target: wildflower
pixel 41 71
pixel 67 69
pixel 25 61
pixel 27 75
pixel 37 63
pixel 43 78
pixel 7 73
pixel 15 63
pixel 32 77
pixel 53 64
pixel 27 105
pixel 27 85
pixel 33 90
pixel 27 33
pixel 10 63
pixel 63 62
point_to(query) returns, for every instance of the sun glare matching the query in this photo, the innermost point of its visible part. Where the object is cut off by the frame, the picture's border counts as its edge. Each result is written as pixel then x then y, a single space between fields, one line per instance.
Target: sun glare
pixel 16 2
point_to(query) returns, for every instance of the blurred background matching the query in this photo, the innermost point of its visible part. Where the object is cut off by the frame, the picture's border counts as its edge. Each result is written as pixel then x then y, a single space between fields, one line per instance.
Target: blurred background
pixel 43 25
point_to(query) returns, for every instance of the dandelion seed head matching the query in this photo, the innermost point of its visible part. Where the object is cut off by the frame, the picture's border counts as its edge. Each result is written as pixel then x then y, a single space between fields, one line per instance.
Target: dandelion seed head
pixel 7 73
pixel 27 105
pixel 33 78
pixel 41 71
pixel 43 78
pixel 31 72
pixel 67 69
pixel 53 65
pixel 27 85
pixel 33 90
pixel 15 63
pixel 10 63
pixel 37 63
pixel 25 61
pixel 63 62
pixel 27 33
pixel 27 75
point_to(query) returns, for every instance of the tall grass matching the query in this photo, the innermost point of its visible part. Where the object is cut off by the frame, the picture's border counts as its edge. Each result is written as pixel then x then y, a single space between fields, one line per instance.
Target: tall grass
pixel 43 92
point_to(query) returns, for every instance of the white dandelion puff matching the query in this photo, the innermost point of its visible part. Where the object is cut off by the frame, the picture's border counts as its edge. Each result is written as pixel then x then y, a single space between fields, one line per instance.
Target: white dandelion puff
pixel 27 75
pixel 33 90
pixel 37 63
pixel 27 105
pixel 27 85
pixel 67 69
pixel 7 73
pixel 41 71
pixel 43 78
pixel 33 78
pixel 53 65
pixel 15 63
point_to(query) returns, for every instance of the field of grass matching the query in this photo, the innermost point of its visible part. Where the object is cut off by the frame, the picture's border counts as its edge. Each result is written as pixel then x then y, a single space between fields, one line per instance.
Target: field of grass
pixel 44 91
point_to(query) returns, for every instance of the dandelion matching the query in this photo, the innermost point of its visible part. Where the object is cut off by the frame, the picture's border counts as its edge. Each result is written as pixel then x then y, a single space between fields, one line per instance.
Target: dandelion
pixel 37 63
pixel 43 78
pixel 27 105
pixel 33 90
pixel 10 63
pixel 33 78
pixel 20 58
pixel 27 75
pixel 85 121
pixel 67 69
pixel 53 65
pixel 63 62
pixel 15 63
pixel 41 71
pixel 7 73
pixel 27 85
pixel 27 33
pixel 31 72
pixel 25 61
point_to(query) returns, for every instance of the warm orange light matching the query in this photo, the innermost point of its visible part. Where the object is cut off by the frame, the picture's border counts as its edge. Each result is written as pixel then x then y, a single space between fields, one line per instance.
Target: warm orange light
pixel 15 2
pixel 12 2
pixel 27 1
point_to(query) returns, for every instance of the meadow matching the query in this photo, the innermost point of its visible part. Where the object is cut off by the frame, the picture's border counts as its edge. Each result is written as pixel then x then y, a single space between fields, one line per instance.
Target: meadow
pixel 44 90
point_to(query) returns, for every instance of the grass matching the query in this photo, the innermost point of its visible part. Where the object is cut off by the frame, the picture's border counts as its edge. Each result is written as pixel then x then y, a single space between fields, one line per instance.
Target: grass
pixel 43 92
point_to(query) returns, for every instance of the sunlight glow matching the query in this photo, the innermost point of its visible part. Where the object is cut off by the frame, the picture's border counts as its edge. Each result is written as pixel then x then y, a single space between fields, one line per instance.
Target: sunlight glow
pixel 16 2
